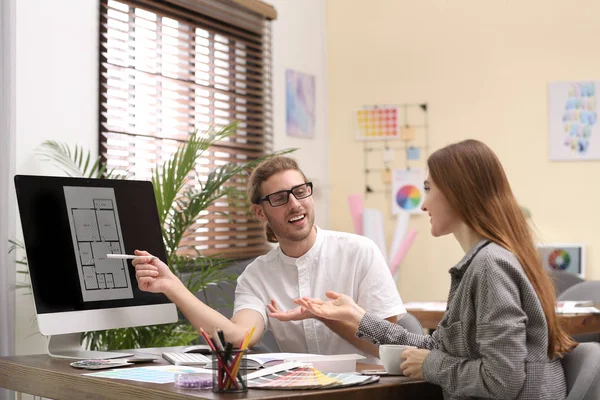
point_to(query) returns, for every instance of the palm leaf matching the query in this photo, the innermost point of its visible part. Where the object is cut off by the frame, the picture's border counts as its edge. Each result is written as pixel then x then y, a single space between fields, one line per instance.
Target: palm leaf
pixel 74 163
pixel 169 180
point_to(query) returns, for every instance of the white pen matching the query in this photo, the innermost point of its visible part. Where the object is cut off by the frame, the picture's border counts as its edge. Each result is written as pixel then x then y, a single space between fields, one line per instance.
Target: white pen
pixel 126 256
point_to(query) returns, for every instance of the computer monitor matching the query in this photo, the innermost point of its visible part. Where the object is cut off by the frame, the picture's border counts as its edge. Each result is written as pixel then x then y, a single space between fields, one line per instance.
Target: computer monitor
pixel 69 227
pixel 567 257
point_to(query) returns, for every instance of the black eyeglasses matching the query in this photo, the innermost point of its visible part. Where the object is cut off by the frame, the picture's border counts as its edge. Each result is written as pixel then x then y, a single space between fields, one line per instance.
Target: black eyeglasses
pixel 283 196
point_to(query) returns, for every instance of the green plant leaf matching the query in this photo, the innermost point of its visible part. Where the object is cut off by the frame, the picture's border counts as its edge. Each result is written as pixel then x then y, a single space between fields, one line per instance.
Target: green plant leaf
pixel 73 163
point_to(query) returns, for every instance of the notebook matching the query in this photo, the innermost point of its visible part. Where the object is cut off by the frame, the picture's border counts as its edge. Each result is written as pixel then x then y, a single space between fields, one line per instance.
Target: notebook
pixel 327 363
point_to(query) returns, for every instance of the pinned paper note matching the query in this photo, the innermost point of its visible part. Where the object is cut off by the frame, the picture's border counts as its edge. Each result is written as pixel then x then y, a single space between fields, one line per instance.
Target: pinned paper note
pixel 386 176
pixel 413 153
pixel 407 133
pixel 388 154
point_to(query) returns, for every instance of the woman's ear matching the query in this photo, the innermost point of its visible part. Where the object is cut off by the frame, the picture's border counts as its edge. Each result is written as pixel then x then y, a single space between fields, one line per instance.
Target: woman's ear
pixel 259 212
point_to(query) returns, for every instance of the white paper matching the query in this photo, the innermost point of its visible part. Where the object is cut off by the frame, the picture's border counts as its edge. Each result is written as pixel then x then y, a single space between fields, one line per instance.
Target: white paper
pixel 426 306
pixel 401 226
pixel 373 228
pixel 577 310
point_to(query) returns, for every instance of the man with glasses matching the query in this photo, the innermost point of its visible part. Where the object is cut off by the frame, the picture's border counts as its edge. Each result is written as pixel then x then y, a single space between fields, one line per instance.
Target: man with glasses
pixel 307 262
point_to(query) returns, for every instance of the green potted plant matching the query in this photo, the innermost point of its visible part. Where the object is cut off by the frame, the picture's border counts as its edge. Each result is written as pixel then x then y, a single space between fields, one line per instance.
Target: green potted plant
pixel 179 206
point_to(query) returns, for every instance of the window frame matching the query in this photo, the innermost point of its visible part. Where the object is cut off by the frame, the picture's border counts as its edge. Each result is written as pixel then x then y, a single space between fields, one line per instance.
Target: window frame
pixel 245 238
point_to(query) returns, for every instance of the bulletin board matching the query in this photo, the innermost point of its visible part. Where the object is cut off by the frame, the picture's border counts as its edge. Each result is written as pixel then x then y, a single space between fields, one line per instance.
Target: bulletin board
pixel 395 153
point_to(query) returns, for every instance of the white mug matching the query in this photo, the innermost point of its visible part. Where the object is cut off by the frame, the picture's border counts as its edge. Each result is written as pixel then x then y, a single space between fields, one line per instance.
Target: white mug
pixel 391 357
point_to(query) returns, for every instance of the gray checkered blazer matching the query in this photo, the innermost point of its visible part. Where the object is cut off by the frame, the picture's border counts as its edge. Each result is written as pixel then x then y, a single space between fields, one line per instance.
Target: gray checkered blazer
pixel 492 341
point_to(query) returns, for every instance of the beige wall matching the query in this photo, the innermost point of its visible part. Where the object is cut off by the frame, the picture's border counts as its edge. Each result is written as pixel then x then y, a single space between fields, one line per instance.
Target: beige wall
pixel 483 68
pixel 303 50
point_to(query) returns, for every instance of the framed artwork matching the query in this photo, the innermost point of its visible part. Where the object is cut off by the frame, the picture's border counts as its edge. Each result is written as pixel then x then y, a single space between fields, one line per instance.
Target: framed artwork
pixel 300 104
pixel 573 121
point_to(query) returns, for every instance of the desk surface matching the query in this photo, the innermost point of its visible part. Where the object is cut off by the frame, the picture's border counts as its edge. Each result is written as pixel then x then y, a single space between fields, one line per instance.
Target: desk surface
pixel 54 378
pixel 573 324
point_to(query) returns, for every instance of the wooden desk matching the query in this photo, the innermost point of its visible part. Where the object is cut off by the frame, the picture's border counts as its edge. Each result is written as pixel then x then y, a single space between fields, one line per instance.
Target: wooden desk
pixel 56 379
pixel 573 324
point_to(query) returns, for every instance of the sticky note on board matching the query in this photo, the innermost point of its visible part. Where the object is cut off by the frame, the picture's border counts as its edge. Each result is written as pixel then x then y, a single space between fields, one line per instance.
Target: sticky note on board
pixel 407 132
pixel 388 154
pixel 413 153
pixel 386 176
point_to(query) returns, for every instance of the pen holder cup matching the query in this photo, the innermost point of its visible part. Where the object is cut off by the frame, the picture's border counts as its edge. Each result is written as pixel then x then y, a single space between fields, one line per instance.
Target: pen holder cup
pixel 229 371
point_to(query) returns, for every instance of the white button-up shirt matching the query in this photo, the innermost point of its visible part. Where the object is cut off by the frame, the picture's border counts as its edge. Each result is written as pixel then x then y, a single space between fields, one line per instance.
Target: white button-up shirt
pixel 342 262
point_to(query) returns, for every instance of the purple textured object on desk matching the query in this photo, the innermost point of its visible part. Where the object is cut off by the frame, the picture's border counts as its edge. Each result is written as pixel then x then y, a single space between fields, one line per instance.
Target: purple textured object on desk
pixel 193 381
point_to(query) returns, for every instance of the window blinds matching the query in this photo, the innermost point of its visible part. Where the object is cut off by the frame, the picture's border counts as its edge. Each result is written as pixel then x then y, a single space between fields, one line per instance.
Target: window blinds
pixel 166 70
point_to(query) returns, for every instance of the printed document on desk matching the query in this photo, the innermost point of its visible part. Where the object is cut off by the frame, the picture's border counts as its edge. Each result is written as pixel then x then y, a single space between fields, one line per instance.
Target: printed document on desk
pixel 326 363
pixel 158 374
pixel 577 310
pixel 426 306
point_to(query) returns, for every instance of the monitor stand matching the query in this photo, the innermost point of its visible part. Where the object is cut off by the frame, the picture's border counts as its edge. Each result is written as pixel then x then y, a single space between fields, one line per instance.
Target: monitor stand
pixel 69 346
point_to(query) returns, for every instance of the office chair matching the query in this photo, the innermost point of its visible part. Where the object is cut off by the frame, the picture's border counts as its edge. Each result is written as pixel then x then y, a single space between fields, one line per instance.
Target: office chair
pixel 564 280
pixel 411 324
pixel 582 372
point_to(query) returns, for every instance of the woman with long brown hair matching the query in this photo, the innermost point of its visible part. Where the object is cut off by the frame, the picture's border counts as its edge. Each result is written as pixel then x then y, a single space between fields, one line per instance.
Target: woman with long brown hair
pixel 499 337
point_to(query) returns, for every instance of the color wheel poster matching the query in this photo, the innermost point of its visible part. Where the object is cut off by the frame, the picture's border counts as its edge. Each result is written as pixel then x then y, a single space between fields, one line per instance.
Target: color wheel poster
pixel 407 190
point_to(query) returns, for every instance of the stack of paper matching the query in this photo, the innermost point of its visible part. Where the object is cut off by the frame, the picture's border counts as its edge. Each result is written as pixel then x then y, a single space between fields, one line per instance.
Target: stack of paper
pixel 576 307
pixel 578 310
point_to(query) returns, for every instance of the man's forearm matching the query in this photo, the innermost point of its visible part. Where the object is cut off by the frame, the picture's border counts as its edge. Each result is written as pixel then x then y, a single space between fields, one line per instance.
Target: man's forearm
pixel 202 316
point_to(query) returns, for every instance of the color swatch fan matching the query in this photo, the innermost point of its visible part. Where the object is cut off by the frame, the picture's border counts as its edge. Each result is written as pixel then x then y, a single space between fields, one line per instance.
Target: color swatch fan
pixel 309 378
pixel 377 123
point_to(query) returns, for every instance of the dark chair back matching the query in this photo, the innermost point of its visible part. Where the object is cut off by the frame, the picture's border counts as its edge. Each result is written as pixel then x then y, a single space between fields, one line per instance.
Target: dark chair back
pixel 564 280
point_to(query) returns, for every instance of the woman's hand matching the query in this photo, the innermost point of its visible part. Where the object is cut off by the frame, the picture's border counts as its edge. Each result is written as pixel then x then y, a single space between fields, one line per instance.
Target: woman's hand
pixel 341 307
pixel 413 362
pixel 297 314
pixel 152 274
